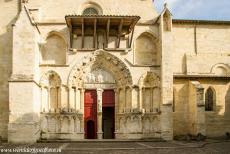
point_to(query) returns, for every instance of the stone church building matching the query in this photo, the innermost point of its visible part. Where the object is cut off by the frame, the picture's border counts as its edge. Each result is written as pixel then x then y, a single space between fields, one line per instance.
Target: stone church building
pixel 110 69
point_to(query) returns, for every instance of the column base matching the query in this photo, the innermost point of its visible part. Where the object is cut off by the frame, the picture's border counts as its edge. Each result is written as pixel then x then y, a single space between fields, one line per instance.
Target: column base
pixel 167 136
pixel 99 135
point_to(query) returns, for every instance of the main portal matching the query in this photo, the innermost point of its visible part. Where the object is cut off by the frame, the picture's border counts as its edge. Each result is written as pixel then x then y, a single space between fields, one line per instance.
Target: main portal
pixel 91 114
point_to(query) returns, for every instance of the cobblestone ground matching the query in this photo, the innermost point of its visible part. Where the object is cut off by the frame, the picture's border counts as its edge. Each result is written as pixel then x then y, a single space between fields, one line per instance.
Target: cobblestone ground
pixel 135 147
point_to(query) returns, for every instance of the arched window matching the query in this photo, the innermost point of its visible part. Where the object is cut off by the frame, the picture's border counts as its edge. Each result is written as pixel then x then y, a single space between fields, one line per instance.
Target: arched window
pixel 90 11
pixel 209 99
pixel 174 99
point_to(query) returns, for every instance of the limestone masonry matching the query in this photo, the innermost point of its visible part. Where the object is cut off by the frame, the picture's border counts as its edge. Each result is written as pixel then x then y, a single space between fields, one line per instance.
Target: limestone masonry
pixel 110 69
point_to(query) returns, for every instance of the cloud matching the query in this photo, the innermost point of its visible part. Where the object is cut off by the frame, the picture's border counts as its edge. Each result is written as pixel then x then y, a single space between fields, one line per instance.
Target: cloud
pixel 172 3
pixel 197 9
pixel 184 10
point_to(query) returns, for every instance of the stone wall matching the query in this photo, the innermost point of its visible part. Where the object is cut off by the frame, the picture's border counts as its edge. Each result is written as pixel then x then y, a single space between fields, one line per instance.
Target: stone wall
pixel 24 73
pixel 47 10
pixel 201 49
pixel 9 10
pixel 216 121
pixel 143 109
pixel 181 108
pixel 200 41
pixel 166 64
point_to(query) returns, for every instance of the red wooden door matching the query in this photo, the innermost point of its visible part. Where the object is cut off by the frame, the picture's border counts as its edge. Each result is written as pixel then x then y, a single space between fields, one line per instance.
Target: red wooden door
pixel 90 114
pixel 108 98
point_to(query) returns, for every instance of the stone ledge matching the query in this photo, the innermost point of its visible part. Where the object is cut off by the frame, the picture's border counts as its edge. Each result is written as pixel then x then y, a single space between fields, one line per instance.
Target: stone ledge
pixel 21 77
pixel 52 65
pixel 23 80
pixel 201 76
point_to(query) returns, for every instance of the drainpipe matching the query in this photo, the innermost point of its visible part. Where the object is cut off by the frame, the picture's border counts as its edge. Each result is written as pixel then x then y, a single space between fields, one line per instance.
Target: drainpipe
pixel 195 38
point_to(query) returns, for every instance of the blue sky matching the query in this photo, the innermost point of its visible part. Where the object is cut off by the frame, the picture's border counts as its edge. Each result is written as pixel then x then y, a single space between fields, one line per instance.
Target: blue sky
pixel 197 9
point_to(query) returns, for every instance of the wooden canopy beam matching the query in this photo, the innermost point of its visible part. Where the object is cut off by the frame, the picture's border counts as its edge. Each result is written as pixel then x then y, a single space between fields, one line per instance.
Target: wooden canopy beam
pixel 107 32
pixel 70 31
pixel 124 25
pixel 119 33
pixel 82 34
pixel 131 38
pixel 71 36
pixel 95 33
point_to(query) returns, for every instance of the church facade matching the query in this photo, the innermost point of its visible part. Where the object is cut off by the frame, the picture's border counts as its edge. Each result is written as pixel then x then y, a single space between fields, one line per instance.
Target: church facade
pixel 106 69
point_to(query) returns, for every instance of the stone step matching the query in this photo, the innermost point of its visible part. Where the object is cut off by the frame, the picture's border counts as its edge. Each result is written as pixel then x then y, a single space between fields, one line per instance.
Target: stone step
pixel 100 140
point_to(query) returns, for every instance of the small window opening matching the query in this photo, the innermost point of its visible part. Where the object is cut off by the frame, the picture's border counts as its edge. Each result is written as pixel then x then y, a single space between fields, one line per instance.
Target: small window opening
pixel 90 11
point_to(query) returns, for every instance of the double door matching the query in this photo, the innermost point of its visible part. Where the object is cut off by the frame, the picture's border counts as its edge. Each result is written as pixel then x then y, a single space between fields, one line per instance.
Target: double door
pixel 90 114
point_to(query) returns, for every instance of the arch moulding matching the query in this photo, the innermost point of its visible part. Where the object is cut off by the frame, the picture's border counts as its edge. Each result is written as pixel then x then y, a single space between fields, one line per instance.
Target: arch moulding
pixel 103 60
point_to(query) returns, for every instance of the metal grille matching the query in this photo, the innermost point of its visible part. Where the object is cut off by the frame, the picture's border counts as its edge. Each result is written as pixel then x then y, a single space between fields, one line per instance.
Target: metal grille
pixel 90 11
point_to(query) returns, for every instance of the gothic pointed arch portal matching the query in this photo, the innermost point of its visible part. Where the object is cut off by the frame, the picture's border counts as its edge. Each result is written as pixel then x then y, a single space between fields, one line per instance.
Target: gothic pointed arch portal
pixel 100 62
pixel 97 78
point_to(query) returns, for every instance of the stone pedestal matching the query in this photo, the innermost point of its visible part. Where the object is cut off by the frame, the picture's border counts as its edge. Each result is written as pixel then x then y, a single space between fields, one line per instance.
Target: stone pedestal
pixel 166 119
pixel 19 133
pixel 24 123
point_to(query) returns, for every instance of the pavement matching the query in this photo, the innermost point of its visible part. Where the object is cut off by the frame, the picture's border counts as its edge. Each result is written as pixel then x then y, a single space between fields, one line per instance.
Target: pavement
pixel 121 147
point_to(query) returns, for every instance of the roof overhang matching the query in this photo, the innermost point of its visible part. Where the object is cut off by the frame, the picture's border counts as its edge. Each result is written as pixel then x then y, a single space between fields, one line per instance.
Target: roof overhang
pixel 125 23
pixel 214 22
pixel 111 25
pixel 177 76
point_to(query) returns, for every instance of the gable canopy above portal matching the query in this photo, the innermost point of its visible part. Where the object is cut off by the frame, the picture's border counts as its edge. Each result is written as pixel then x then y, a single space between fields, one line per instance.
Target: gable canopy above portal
pixel 110 25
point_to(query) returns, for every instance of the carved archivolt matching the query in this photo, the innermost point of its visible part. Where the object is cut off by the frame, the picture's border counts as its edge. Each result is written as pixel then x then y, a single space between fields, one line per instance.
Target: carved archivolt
pixel 149 79
pixel 50 79
pixel 100 60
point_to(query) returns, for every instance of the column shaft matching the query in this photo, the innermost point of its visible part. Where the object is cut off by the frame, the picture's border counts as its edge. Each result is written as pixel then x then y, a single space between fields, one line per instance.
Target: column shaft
pixel 99 114
pixel 48 99
pixel 82 92
pixel 116 108
pixel 151 99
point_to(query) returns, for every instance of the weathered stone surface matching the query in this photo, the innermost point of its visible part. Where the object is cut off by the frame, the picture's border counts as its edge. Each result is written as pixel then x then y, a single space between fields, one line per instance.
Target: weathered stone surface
pixel 160 80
